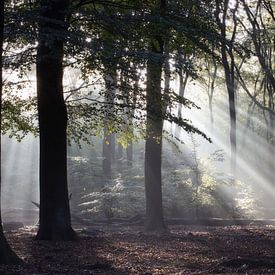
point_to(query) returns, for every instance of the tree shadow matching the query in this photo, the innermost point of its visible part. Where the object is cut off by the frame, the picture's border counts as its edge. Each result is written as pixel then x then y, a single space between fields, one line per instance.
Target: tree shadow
pixel 70 257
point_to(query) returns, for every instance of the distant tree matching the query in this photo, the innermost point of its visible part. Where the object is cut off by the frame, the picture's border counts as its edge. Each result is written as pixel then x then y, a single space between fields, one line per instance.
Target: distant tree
pixel 227 48
pixel 131 114
pixel 259 28
pixel 212 71
pixel 54 216
pixel 184 75
pixel 108 151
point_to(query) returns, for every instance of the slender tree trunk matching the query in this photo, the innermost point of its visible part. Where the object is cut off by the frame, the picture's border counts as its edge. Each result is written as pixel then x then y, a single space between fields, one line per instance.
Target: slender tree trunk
pixel 113 146
pixel 108 151
pixel 211 88
pixel 107 154
pixel 129 153
pixel 124 93
pixel 271 130
pixel 153 145
pixel 54 216
pixel 7 256
pixel 229 70
pixel 233 138
pixel 183 79
pixel 119 151
pixel 130 148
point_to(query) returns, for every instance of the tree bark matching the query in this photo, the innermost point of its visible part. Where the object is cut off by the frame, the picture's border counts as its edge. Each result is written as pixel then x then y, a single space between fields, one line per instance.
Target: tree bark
pixel 153 145
pixel 54 214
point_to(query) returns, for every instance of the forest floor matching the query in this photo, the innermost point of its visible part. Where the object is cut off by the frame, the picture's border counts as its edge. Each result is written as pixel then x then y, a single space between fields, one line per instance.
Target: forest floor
pixel 126 250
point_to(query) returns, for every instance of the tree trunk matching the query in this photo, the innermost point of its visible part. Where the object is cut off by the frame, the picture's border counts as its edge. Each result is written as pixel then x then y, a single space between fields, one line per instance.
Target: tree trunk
pixel 119 153
pixel 131 111
pixel 107 155
pixel 7 256
pixel 211 88
pixel 183 79
pixel 233 132
pixel 271 165
pixel 228 63
pixel 108 152
pixel 153 144
pixel 129 153
pixel 54 215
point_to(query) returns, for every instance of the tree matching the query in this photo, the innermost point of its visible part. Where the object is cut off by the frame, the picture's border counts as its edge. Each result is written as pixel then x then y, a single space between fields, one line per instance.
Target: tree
pixel 7 256
pixel 109 137
pixel 169 23
pixel 54 216
pixel 229 64
pixel 258 27
pixel 212 70
pixel 131 114
pixel 154 126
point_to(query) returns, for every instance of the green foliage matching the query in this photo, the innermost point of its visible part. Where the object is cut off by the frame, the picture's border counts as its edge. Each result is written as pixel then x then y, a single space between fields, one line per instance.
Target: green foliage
pixel 17 118
pixel 123 195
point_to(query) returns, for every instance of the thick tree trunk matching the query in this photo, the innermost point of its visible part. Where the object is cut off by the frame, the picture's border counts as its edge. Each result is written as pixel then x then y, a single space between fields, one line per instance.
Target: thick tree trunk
pixel 7 256
pixel 153 144
pixel 230 84
pixel 230 81
pixel 54 215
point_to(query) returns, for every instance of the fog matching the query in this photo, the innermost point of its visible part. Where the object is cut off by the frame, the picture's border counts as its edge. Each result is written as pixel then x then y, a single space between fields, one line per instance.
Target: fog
pixel 196 172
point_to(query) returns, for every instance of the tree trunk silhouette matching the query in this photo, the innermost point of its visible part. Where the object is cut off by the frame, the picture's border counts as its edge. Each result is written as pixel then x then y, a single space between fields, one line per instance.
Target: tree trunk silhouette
pixel 153 144
pixel 54 214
